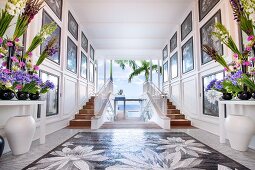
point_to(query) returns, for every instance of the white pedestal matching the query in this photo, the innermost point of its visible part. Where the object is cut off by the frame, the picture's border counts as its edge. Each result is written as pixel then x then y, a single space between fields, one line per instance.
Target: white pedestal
pixel 241 104
pixel 25 108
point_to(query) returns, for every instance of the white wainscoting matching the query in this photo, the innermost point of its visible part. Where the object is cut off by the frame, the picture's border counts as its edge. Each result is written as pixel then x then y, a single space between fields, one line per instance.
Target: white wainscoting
pixel 185 91
pixel 70 96
pixel 189 96
pixel 73 88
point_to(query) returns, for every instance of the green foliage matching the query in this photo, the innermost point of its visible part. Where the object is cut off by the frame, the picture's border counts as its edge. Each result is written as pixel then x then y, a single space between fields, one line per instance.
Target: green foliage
pixel 143 69
pixel 5 20
pixel 46 31
pixel 223 34
pixel 131 63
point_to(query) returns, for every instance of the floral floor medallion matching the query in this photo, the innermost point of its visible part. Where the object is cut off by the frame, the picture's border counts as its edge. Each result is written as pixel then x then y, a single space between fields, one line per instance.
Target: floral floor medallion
pixel 133 151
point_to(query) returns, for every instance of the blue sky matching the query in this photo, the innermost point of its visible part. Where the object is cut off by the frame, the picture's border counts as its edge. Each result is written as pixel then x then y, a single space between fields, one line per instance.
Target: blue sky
pixel 120 79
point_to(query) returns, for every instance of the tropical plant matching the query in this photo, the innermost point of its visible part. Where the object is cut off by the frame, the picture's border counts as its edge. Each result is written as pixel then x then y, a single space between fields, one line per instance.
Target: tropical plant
pixel 123 63
pixel 143 68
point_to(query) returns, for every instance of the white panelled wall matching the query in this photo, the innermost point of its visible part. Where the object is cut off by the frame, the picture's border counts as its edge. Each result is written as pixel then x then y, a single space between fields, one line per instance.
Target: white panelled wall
pixel 74 90
pixel 186 90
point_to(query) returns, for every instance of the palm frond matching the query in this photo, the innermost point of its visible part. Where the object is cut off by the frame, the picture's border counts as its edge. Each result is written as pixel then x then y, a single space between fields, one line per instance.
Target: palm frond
pixel 135 73
pixel 121 63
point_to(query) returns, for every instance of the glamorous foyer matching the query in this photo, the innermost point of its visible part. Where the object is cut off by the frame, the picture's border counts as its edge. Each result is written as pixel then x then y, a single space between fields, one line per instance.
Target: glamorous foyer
pixel 127 84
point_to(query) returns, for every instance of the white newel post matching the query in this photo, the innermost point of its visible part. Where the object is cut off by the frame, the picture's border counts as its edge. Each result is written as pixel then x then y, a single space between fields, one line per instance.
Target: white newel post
pixel 20 129
pixel 237 127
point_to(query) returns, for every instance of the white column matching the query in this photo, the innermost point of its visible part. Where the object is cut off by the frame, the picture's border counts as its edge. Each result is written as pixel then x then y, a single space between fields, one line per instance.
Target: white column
pixel 158 74
pixel 104 71
pixel 150 70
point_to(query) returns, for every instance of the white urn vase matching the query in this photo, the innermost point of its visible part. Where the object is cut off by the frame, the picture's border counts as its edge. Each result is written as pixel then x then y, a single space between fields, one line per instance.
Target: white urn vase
pixel 20 131
pixel 240 130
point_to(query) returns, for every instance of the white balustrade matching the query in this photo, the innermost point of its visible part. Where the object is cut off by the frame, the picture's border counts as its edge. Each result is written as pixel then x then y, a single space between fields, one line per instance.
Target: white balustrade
pixel 101 105
pixel 102 97
pixel 158 97
pixel 158 105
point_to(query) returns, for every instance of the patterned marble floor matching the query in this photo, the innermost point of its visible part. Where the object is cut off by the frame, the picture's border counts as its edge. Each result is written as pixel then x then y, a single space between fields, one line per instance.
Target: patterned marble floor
pixel 9 162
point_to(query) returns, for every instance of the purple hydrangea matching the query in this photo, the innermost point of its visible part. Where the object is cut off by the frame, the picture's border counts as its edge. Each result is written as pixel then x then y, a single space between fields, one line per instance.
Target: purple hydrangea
pixel 21 77
pixel 35 78
pixel 48 85
pixel 5 76
pixel 234 77
pixel 219 85
pixel 211 85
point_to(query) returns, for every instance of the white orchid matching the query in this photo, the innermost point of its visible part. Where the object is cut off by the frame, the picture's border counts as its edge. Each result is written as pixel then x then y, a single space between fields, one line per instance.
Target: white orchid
pixel 78 157
pixel 148 159
pixel 8 84
pixel 14 7
pixel 174 147
pixel 249 6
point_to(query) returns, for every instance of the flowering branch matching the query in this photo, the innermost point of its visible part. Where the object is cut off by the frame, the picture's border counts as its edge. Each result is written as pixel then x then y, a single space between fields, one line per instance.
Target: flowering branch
pixel 49 50
pixel 46 31
pixel 223 35
pixel 31 9
pixel 215 56
pixel 12 9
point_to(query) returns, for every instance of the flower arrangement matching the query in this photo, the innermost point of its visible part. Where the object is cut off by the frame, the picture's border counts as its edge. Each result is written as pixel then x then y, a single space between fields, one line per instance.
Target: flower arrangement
pixel 239 81
pixel 18 75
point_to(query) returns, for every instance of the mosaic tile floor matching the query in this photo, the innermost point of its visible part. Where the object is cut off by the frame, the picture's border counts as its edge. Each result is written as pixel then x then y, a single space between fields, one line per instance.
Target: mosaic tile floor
pixel 133 151
pixel 10 162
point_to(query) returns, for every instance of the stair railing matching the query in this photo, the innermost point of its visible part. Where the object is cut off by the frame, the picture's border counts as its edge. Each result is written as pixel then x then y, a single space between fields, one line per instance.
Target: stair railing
pixel 146 113
pixel 157 105
pixel 158 97
pixel 102 97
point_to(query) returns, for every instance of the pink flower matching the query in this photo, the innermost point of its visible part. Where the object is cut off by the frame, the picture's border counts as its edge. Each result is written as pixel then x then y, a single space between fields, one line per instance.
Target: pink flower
pixel 36 68
pixel 4 64
pixel 22 64
pixel 7 71
pixel 19 87
pixel 225 69
pixel 250 38
pixel 248 48
pixel 9 44
pixel 1 40
pixel 235 55
pixel 246 63
pixel 252 59
pixel 16 40
pixel 30 54
pixel 14 59
pixel 1 56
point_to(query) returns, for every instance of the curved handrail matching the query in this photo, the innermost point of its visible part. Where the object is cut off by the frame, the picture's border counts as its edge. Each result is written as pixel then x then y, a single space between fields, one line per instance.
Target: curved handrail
pixel 158 97
pixel 102 97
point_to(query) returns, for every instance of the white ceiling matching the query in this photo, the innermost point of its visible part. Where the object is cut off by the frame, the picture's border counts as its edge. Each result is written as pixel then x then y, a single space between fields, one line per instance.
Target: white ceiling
pixel 129 28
